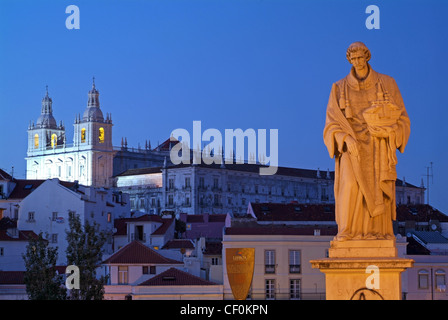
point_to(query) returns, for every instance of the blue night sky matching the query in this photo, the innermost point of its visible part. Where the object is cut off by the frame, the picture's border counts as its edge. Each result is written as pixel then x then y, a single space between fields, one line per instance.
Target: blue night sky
pixel 262 64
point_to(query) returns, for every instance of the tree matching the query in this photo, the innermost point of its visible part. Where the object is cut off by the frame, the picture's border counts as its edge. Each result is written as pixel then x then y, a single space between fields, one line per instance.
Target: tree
pixel 41 279
pixel 85 250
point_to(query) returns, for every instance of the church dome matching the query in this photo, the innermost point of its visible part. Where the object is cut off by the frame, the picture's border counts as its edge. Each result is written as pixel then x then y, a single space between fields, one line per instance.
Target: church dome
pixel 93 111
pixel 46 119
pixel 93 114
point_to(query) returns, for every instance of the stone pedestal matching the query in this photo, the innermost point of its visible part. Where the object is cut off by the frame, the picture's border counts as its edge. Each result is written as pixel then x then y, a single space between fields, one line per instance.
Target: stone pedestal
pixel 363 269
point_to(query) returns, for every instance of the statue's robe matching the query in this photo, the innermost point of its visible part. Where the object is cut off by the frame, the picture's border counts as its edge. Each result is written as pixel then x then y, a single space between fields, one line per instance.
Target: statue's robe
pixel 364 186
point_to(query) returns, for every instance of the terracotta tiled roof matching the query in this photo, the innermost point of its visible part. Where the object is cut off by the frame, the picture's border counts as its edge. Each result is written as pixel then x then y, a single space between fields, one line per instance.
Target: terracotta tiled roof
pixel 23 235
pixel 213 248
pixel 17 277
pixel 195 218
pixel 12 277
pixel 293 212
pixel 179 244
pixel 5 176
pixel 137 253
pixel 164 227
pixel 167 144
pixel 24 187
pixel 217 218
pixel 420 213
pixel 281 230
pixel 176 277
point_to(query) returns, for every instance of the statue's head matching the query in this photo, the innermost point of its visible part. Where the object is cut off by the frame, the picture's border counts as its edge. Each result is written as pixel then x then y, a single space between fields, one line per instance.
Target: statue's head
pixel 358 46
pixel 358 55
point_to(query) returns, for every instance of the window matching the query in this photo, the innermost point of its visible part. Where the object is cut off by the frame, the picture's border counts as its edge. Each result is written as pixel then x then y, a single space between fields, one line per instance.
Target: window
pixel 152 269
pixel 142 203
pixel 423 277
pixel 171 184
pixel 215 261
pixel 122 275
pixel 187 201
pixel 153 202
pixel 440 279
pixel 101 135
pixel 69 171
pixel 187 182
pixel 243 201
pixel 215 183
pixel 31 216
pixel 294 261
pixel 109 217
pixel 36 141
pixel 170 200
pixel 145 270
pixel 294 289
pixel 201 182
pixel 54 216
pixel 54 140
pixel 256 189
pixel 83 135
pixel 216 200
pixel 71 214
pixel 2 251
pixel 54 238
pixel 270 289
pixel 269 261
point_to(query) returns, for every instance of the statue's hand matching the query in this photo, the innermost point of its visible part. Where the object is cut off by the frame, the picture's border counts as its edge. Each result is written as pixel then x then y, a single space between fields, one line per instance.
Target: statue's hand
pixel 352 146
pixel 381 132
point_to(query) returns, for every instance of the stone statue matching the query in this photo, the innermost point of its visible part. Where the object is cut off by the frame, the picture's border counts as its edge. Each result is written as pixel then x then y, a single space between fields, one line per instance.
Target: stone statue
pixel 366 121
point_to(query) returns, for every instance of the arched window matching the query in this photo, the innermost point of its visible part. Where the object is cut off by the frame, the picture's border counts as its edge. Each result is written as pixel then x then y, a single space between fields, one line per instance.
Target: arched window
pixel 54 140
pixel 101 135
pixel 83 135
pixel 36 141
pixel 440 279
pixel 423 279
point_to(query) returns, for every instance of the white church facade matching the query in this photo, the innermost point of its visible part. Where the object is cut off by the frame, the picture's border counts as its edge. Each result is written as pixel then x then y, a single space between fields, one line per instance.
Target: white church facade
pixel 89 160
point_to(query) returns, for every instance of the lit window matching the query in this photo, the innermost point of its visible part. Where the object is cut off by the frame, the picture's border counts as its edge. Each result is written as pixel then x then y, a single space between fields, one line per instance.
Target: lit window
pixel 122 275
pixel 36 141
pixel 83 135
pixel 54 140
pixel 101 135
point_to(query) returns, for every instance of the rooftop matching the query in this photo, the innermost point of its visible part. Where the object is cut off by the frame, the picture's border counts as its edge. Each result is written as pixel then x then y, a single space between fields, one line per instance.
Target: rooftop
pixel 137 253
pixel 176 277
pixel 429 237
